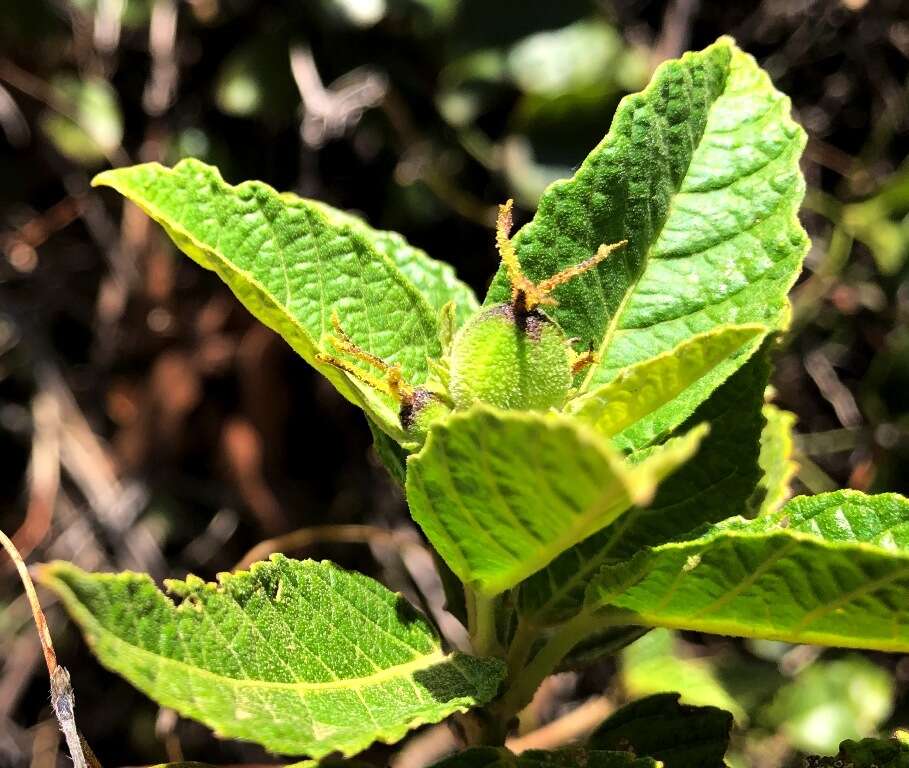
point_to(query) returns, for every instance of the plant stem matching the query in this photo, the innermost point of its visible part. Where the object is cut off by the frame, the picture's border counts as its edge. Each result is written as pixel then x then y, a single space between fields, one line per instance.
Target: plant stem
pixel 482 624
pixel 520 648
pixel 524 682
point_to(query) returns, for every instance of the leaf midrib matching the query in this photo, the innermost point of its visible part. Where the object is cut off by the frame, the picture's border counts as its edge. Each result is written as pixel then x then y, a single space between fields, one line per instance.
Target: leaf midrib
pixel 352 683
pixel 629 292
pixel 797 632
pixel 97 631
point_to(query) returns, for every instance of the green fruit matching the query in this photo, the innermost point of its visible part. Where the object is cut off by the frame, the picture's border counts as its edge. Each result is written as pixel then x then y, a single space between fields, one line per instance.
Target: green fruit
pixel 510 359
pixel 420 410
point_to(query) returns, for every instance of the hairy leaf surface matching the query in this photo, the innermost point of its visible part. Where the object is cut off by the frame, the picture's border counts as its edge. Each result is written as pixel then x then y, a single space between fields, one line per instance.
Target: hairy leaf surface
pixel 292 265
pixel 716 484
pixel 435 279
pixel 501 493
pixel 301 657
pixel 679 735
pixel 828 570
pixel 699 172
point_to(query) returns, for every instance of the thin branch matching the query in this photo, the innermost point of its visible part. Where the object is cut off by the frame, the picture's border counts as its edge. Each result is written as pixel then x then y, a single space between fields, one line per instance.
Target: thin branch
pixel 329 113
pixel 566 729
pixel 824 375
pixel 63 699
pixel 47 644
pixel 43 474
pixel 162 43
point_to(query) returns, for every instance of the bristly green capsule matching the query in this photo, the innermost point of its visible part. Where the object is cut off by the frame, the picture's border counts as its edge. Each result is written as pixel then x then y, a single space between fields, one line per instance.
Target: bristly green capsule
pixel 511 360
pixel 510 355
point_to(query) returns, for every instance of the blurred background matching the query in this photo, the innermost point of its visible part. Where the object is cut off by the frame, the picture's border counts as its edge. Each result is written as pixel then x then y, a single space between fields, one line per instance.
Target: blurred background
pixel 146 421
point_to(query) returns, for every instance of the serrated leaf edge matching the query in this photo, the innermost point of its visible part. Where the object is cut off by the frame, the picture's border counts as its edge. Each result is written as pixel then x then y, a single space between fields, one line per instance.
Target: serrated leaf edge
pixel 366 399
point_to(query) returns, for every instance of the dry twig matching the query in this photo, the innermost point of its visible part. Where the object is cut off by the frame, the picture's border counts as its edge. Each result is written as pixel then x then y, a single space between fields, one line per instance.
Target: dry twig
pixel 62 696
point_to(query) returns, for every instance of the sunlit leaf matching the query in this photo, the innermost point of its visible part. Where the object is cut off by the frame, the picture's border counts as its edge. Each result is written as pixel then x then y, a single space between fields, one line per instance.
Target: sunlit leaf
pixel 301 657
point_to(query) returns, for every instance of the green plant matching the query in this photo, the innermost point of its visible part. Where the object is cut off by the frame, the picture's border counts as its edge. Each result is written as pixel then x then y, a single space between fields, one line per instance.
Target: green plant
pixel 590 453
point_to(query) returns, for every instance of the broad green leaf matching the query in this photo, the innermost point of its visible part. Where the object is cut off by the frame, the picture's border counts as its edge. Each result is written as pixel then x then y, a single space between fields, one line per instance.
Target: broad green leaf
pixel 292 266
pixel 699 173
pixel 655 665
pixel 778 468
pixel 867 753
pixel 436 280
pixel 501 493
pixel 716 484
pixel 571 757
pixel 831 701
pixel 678 735
pixel 649 399
pixel 303 658
pixel 828 570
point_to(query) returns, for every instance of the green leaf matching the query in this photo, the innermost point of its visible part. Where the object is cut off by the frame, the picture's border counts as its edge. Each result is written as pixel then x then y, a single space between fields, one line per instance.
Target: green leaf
pixel 716 484
pixel 650 399
pixel 778 468
pixel 501 493
pixel 699 172
pixel 679 735
pixel 572 757
pixel 292 266
pixel 655 665
pixel 436 280
pixel 831 701
pixel 867 753
pixel 829 570
pixel 303 658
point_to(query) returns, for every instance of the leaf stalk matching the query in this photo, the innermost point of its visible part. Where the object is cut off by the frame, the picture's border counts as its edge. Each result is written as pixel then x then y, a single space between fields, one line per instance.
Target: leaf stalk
pixel 523 683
